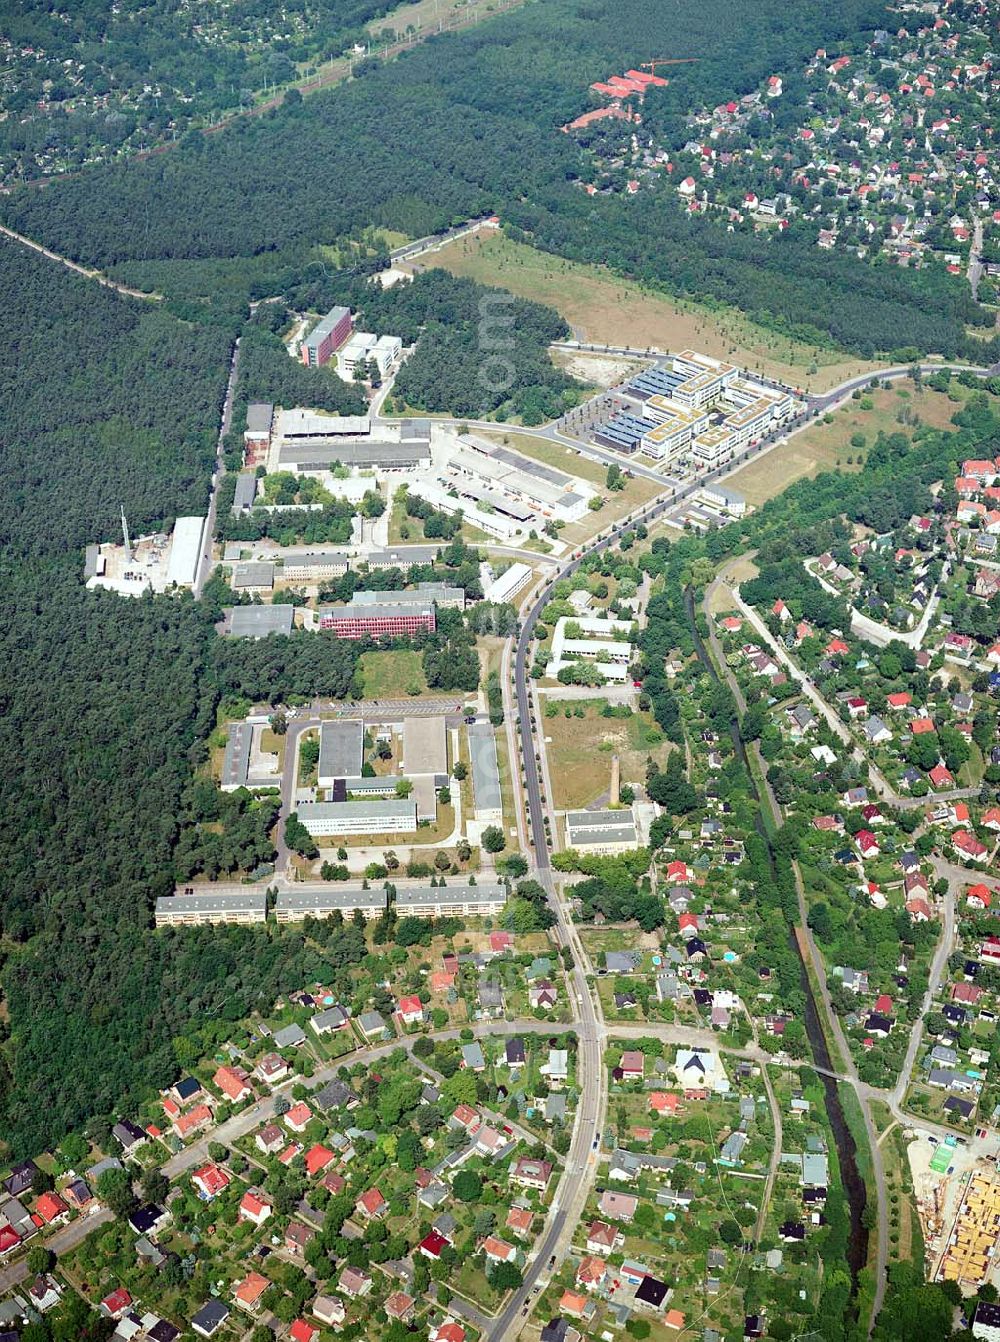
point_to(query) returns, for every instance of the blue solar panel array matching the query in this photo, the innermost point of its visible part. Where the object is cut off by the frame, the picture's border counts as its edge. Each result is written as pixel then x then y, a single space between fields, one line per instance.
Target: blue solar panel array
pixel 622 431
pixel 655 382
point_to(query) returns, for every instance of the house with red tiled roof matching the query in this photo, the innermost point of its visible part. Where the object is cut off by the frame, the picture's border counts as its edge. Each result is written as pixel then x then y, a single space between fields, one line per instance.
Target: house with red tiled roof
pixel 991 819
pixel 592 1272
pixel 498 1250
pixel 51 1208
pixel 298 1117
pixel 969 846
pixel 232 1081
pixel 519 1221
pixel 301 1331
pixel 837 648
pixel 920 726
pixel 371 1204
pixel 255 1206
pixel 432 1245
pixel 979 897
pixel 210 1181
pixel 317 1158
pixel 448 1332
pixel 899 699
pixel 664 1102
pixel 195 1119
pixel 399 1306
pixel 113 1306
pixel 411 1010
pixel 919 910
pixel 867 843
pixel 941 777
pixel 603 1238
pixel 248 1292
pixel 967 993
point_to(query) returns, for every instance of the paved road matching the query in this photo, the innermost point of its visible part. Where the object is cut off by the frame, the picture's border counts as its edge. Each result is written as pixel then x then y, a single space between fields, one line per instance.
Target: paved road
pixel 62 1242
pixel 205 561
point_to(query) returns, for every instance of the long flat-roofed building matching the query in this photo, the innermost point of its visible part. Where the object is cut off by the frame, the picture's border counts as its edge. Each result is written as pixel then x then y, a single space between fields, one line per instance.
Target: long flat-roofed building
pixel 310 455
pixel 441 593
pixel 324 819
pixel 427 901
pixel 341 751
pixel 258 621
pixel 382 620
pixel 246 492
pixel 185 551
pixel 298 424
pixel 199 907
pixel 487 804
pixel 604 832
pixel 319 901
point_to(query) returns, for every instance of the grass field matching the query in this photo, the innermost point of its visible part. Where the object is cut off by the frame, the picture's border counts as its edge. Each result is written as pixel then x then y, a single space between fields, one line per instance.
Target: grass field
pixel 580 751
pixel 603 308
pixel 826 446
pixel 393 675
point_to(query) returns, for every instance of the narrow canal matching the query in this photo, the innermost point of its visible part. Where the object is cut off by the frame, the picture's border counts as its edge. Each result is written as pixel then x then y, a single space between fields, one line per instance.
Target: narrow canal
pixel 854 1186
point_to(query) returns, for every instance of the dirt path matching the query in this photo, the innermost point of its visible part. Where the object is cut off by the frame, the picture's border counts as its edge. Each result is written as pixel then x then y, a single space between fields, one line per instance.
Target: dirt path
pixel 85 271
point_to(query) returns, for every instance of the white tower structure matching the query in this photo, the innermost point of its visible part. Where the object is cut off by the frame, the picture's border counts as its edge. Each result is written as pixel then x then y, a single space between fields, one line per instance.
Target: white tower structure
pixel 125 539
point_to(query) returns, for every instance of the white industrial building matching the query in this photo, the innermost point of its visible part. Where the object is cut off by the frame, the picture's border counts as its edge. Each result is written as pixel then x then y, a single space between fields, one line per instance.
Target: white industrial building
pixel 329 819
pixel 152 563
pixel 298 424
pixel 601 833
pixel 610 656
pixel 509 584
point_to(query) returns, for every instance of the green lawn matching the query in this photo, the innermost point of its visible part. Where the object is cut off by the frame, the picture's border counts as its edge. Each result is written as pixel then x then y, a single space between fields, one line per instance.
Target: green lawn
pixel 393 675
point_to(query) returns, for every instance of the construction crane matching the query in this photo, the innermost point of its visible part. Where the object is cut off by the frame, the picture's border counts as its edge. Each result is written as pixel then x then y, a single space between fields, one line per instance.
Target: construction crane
pixel 667 60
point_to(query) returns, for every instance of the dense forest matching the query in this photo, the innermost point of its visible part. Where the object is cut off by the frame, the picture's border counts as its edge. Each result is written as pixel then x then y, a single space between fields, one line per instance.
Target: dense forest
pixel 92 80
pixel 476 118
pixel 103 700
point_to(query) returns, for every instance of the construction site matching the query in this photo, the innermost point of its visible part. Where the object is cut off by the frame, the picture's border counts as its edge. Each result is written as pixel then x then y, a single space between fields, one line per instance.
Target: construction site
pixel 956 1186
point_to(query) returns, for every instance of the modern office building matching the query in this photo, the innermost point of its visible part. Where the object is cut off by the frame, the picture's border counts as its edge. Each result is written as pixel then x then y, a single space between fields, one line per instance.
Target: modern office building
pixel 377 621
pixel 326 337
